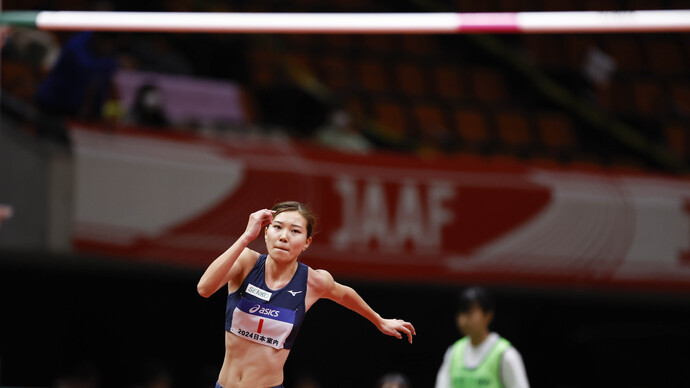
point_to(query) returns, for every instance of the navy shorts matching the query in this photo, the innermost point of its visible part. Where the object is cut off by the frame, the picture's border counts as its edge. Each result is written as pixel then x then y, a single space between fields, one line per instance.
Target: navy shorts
pixel 279 386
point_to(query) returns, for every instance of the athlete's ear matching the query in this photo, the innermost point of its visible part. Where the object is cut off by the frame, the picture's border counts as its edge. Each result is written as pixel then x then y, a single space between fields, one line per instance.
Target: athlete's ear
pixel 307 244
pixel 489 317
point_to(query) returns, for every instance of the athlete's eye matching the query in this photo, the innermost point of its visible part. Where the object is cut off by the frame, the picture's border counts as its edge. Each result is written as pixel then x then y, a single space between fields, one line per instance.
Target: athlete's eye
pixel 296 231
pixel 276 226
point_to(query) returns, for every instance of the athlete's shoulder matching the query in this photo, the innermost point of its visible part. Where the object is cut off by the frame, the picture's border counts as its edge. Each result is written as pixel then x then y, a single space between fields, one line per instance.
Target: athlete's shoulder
pixel 319 280
pixel 249 257
pixel 243 265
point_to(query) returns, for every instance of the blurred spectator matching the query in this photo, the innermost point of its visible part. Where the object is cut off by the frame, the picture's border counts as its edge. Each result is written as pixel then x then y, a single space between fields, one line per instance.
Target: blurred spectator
pixel 480 358
pixel 598 67
pixel 147 109
pixel 307 381
pixel 82 375
pixel 156 375
pixel 80 83
pixel 393 380
pixel 4 33
pixel 39 49
pixel 26 56
pixel 5 213
pixel 339 133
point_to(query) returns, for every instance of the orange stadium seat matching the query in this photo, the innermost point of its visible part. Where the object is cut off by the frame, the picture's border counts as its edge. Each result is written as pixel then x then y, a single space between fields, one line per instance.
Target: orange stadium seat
pixel 681 97
pixel 430 121
pixel 354 107
pixel 665 56
pixel 299 40
pixel 488 85
pixel 391 115
pixel 472 127
pixel 263 65
pixel 677 139
pixel 625 50
pixel 420 45
pixel 556 133
pixel 304 62
pixel 649 97
pixel 333 72
pixel 338 42
pixel 448 82
pixel 577 47
pixel 618 96
pixel 371 76
pixel 381 43
pixel 513 131
pixel 410 79
pixel 545 50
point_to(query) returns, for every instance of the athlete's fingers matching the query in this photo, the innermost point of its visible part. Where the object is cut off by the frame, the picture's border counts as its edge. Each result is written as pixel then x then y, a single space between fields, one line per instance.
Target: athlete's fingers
pixel 411 327
pixel 268 217
pixel 408 332
pixel 407 328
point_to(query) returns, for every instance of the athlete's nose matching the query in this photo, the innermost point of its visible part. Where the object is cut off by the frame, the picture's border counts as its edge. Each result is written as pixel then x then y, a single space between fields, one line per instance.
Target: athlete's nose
pixel 284 235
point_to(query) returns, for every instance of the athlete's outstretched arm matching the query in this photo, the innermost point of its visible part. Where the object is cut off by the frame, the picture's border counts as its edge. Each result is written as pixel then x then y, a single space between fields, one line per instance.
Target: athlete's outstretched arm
pixel 233 261
pixel 326 287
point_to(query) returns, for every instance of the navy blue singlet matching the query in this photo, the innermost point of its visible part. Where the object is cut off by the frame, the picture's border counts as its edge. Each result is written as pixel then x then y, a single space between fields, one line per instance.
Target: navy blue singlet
pixel 269 317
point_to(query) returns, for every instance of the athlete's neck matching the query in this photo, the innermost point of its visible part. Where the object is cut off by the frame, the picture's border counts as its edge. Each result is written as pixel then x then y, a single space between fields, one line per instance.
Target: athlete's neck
pixel 479 338
pixel 279 274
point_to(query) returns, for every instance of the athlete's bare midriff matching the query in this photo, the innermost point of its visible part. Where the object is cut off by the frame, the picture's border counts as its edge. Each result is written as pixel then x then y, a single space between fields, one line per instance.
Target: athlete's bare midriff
pixel 248 364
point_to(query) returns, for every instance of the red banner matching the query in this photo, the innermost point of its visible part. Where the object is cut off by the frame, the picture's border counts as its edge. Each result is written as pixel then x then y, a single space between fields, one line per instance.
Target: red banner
pixel 184 199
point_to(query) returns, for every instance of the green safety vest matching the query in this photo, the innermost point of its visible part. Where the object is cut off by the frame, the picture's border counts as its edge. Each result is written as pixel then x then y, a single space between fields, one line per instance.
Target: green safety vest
pixel 486 375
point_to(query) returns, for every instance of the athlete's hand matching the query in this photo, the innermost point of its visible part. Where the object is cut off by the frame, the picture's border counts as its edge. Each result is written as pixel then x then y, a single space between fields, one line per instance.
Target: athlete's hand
pixel 257 221
pixel 394 327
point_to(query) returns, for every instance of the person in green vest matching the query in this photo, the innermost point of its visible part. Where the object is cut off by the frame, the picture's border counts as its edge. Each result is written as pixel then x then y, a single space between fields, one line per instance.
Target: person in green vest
pixel 481 358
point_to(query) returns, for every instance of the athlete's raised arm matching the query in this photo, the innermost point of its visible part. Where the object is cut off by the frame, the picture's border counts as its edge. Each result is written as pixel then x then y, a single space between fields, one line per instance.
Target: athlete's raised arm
pixel 237 259
pixel 323 285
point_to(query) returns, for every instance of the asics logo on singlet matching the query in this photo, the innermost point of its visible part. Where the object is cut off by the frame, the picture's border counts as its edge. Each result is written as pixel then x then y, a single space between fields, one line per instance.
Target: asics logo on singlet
pixel 264 311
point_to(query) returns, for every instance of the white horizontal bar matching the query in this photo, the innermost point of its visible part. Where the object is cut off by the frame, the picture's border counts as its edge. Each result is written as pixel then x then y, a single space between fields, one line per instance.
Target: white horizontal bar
pixel 417 23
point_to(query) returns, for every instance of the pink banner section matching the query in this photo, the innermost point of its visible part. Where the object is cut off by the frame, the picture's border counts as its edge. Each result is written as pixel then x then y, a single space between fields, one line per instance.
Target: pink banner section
pixel 178 199
pixel 488 22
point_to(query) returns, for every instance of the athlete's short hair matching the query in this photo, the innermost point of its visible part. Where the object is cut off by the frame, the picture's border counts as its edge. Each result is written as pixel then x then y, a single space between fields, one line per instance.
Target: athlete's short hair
pixel 478 296
pixel 302 209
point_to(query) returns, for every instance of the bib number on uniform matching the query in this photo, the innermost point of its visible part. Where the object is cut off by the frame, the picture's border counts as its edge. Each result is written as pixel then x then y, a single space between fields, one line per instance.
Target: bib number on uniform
pixel 262 323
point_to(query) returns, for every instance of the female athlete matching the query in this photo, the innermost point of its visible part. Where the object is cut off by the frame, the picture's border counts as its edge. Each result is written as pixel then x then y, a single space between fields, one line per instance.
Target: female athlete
pixel 268 296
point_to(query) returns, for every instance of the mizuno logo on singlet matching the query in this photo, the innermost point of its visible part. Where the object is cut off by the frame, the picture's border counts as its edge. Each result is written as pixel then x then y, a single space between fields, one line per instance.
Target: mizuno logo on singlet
pixel 294 292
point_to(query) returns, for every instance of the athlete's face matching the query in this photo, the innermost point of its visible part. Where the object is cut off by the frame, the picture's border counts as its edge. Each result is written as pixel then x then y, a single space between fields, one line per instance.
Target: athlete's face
pixel 474 322
pixel 286 236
